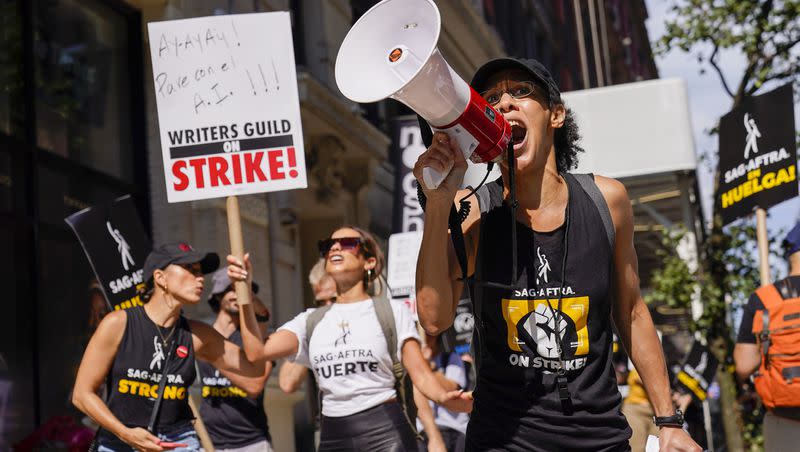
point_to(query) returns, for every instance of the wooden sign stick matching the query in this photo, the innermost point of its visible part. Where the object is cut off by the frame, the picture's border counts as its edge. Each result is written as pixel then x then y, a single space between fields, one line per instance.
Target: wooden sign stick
pixel 763 245
pixel 237 246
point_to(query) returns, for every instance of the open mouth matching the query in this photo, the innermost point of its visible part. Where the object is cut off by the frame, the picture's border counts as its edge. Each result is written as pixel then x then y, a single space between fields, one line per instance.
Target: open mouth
pixel 519 134
pixel 336 259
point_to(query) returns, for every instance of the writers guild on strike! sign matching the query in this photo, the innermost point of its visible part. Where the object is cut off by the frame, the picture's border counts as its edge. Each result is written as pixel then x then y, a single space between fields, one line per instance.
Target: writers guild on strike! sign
pixel 236 154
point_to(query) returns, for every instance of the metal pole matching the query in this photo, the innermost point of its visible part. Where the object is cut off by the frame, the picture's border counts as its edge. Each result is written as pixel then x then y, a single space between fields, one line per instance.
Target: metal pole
pixel 598 63
pixel 604 40
pixel 581 43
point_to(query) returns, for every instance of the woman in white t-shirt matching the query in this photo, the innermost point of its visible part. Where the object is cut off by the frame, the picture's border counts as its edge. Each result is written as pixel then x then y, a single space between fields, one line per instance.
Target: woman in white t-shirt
pixel 348 352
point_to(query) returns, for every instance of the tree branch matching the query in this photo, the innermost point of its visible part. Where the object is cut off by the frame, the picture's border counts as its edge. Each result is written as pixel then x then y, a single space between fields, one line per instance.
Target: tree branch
pixel 761 21
pixel 719 70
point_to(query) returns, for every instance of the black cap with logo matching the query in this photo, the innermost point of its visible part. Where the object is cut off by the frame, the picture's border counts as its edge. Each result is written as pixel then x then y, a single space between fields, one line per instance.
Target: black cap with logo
pixel 178 253
pixel 535 69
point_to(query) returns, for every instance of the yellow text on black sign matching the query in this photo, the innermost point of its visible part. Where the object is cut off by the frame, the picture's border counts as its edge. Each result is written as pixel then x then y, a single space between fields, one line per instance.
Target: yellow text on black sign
pixel 756 182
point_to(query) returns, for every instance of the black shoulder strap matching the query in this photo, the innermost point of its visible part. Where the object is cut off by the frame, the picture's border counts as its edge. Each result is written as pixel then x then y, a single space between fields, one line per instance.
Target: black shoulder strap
pixel 313 320
pixel 588 184
pixel 457 236
pixel 489 195
pixel 383 309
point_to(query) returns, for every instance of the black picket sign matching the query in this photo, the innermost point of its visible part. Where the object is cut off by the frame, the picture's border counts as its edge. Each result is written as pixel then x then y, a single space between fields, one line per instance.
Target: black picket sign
pixel 115 242
pixel 757 155
pixel 698 371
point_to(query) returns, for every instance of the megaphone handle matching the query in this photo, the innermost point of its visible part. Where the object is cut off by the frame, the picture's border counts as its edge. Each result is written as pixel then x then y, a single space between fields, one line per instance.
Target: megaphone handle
pixel 433 178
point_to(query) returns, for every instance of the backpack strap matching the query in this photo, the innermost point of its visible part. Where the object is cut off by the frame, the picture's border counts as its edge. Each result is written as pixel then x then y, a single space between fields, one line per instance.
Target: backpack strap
pixel 313 320
pixel 383 309
pixel 589 185
pixel 769 296
pixel 402 384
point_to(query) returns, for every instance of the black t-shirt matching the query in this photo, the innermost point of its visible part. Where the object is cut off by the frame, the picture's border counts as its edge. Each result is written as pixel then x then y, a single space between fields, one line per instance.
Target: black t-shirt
pixel 754 304
pixel 134 380
pixel 231 417
pixel 517 405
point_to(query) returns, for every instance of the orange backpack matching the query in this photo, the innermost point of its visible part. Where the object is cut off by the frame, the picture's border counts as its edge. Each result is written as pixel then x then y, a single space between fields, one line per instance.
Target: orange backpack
pixel 777 328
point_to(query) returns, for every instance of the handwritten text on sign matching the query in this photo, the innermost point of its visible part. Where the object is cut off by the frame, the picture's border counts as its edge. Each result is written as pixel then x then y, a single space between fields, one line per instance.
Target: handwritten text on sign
pixel 228 108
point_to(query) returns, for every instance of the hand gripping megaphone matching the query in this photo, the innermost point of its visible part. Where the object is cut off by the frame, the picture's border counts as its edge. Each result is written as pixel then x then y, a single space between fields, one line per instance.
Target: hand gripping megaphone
pixel 391 52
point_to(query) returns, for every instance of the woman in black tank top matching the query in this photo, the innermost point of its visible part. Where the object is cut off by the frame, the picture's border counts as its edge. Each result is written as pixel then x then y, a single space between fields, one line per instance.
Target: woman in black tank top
pixel 543 323
pixel 140 351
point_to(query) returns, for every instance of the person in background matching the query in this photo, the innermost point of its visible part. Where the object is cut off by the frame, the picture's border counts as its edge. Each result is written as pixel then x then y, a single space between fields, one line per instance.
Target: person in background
pixel 639 413
pixel 98 308
pixel 292 375
pixel 233 416
pixel 781 423
pixel 450 427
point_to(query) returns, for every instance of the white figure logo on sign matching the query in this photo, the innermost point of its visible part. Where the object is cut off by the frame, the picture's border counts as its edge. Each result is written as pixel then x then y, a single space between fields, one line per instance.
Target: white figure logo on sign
pixel 752 135
pixel 122 247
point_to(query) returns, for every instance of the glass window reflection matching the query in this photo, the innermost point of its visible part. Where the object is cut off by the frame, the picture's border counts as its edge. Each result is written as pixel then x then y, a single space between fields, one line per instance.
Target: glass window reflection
pixel 82 84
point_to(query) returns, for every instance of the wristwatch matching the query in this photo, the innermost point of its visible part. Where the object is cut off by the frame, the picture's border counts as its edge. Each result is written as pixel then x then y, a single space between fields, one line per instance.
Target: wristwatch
pixel 676 420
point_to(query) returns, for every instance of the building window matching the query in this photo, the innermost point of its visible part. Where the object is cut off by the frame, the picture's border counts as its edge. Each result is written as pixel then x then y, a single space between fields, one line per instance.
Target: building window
pixel 12 111
pixel 82 84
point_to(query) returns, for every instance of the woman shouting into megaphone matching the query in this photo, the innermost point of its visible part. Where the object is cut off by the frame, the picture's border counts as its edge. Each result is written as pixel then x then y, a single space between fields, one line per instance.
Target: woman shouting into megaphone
pixel 543 329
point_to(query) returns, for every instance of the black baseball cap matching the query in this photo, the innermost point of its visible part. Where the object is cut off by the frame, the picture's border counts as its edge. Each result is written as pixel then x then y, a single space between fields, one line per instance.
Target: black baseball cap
pixel 178 253
pixel 791 244
pixel 535 69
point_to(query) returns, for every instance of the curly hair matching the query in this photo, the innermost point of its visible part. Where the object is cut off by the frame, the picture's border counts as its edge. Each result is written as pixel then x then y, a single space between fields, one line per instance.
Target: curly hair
pixel 566 140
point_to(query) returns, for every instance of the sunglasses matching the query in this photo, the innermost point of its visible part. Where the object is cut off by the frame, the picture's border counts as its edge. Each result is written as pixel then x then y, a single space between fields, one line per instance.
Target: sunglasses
pixel 351 244
pixel 195 269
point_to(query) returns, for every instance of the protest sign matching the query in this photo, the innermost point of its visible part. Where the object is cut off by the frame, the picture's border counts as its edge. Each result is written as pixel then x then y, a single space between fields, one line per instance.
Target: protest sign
pixel 228 111
pixel 408 146
pixel 228 108
pixel 698 371
pixel 402 267
pixel 116 245
pixel 757 155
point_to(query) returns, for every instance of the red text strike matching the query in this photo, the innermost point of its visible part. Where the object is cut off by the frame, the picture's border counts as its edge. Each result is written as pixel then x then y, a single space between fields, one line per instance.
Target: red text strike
pixel 236 168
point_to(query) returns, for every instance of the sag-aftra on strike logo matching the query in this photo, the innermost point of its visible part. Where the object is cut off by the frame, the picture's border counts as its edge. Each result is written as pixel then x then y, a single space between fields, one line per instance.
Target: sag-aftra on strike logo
pixel 539 327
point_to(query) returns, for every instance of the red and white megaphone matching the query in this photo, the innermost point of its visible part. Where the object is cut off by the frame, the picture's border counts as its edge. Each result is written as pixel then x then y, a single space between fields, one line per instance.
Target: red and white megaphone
pixel 391 52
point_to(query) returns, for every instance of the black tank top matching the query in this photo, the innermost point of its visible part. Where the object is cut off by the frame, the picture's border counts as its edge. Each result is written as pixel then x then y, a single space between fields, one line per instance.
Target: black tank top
pixel 517 405
pixel 231 417
pixel 133 382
